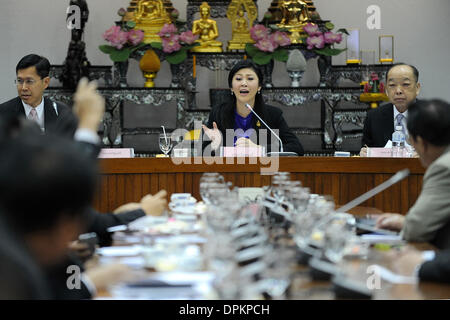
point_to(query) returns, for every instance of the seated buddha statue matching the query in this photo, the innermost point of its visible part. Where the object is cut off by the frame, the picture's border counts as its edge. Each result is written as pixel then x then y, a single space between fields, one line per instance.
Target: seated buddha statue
pixel 150 17
pixel 241 31
pixel 294 13
pixel 206 28
pixel 295 16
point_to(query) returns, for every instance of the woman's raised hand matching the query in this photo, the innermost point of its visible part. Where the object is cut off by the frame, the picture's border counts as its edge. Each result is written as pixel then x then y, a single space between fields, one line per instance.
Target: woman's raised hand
pixel 213 134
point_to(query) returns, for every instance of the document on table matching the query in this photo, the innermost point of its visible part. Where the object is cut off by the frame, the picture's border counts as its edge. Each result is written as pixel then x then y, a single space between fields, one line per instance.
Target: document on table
pixel 392 277
pixel 167 286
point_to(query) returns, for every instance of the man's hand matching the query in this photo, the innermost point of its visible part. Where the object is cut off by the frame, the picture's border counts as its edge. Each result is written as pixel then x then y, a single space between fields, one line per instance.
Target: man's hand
pixel 104 276
pixel 406 261
pixel 214 134
pixel 131 206
pixel 154 205
pixel 391 221
pixel 89 105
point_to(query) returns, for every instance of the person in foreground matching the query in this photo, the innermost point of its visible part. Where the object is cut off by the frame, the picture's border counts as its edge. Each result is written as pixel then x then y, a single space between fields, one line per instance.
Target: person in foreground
pixel 402 88
pixel 429 218
pixel 243 127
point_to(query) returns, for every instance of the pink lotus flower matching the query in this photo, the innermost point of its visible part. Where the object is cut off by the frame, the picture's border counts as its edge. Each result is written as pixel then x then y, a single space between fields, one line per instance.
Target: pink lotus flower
pixel 331 37
pixel 171 44
pixel 266 45
pixel 167 30
pixel 135 37
pixel 258 32
pixel 188 37
pixel 119 39
pixel 280 38
pixel 312 29
pixel 315 42
pixel 108 35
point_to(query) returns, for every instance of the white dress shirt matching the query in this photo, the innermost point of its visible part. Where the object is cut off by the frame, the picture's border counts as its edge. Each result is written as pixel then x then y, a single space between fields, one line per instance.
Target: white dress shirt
pixel 405 116
pixel 40 113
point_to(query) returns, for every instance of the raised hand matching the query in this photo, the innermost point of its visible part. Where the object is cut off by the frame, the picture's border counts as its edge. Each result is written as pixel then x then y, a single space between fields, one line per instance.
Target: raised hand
pixel 214 134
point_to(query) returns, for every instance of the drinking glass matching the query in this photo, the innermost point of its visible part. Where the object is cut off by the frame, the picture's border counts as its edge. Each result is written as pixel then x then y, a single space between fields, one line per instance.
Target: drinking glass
pixel 165 143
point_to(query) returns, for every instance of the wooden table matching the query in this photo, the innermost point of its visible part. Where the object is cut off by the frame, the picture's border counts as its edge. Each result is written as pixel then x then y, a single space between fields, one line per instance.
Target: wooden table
pixel 127 180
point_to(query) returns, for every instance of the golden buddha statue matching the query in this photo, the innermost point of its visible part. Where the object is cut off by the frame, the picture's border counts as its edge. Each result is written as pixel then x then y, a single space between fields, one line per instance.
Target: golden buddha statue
pixel 295 16
pixel 206 28
pixel 240 25
pixel 150 17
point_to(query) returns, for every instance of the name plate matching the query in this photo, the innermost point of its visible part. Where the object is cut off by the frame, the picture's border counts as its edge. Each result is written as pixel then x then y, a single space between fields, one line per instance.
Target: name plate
pixel 242 152
pixel 379 152
pixel 181 153
pixel 109 153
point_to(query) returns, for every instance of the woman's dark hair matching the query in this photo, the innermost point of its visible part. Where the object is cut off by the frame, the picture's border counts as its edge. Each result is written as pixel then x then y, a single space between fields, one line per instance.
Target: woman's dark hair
pixel 229 106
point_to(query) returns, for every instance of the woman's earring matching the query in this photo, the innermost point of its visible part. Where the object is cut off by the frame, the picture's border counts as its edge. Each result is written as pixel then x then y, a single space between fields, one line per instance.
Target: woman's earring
pixel 259 91
pixel 231 92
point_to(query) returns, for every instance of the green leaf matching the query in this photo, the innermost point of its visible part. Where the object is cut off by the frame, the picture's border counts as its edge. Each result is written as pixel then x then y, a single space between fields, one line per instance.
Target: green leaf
pixel 106 48
pixel 120 55
pixel 262 58
pixel 329 51
pixel 177 57
pixel 343 31
pixel 139 46
pixel 329 26
pixel 251 49
pixel 189 47
pixel 156 45
pixel 131 24
pixel 281 55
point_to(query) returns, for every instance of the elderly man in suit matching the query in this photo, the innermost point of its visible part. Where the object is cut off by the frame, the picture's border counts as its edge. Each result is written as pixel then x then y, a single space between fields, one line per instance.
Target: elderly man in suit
pixel 32 73
pixel 402 88
pixel 429 219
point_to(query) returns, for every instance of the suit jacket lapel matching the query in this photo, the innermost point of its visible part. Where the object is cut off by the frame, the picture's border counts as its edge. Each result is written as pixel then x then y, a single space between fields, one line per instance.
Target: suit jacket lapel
pixel 388 122
pixel 50 116
pixel 18 106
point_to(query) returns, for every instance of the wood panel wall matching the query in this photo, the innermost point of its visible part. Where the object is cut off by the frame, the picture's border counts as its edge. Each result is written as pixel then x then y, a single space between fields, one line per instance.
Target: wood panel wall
pixel 127 180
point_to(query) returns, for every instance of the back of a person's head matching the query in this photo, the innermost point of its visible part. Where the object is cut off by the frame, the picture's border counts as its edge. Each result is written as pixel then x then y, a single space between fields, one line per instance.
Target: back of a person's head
pixel 33 60
pixel 430 119
pixel 43 178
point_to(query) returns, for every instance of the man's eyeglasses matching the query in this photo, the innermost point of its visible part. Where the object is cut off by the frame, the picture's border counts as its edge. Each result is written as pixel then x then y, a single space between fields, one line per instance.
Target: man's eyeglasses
pixel 28 82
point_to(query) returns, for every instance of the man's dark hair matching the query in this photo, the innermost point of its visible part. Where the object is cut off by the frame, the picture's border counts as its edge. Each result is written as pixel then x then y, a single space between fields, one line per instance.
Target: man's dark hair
pixel 43 178
pixel 414 69
pixel 430 119
pixel 33 60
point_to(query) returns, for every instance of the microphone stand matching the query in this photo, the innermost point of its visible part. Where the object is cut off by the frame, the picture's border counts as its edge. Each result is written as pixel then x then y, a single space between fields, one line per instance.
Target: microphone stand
pixel 282 153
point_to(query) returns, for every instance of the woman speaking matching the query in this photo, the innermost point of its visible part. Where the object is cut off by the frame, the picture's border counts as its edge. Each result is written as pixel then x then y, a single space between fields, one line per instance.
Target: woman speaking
pixel 234 122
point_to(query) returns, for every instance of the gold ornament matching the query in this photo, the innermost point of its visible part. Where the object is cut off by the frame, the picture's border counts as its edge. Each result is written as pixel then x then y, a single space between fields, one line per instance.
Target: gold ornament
pixel 206 28
pixel 150 65
pixel 150 17
pixel 295 16
pixel 240 25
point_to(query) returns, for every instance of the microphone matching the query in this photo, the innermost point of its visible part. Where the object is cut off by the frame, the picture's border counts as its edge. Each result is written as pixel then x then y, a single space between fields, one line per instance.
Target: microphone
pixel 369 194
pixel 281 153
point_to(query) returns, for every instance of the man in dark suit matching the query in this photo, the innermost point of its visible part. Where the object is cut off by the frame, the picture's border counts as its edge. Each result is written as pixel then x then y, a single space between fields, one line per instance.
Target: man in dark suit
pixel 32 73
pixel 402 88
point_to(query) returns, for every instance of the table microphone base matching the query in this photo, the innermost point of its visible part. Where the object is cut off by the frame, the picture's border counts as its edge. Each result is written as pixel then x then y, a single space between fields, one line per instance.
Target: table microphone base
pixel 282 154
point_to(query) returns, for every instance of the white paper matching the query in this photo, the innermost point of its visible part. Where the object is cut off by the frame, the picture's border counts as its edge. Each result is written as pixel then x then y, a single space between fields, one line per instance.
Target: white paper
pixel 380 238
pixel 120 251
pixel 388 144
pixel 392 277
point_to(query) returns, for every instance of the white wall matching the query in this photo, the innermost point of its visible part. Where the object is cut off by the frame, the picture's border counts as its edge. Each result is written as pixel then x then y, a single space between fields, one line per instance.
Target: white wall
pixel 421 31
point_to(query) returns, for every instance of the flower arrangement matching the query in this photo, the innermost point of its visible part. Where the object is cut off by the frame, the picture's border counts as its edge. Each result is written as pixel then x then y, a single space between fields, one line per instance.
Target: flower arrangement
pixel 123 39
pixel 374 85
pixel 267 45
pixel 175 44
pixel 322 43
